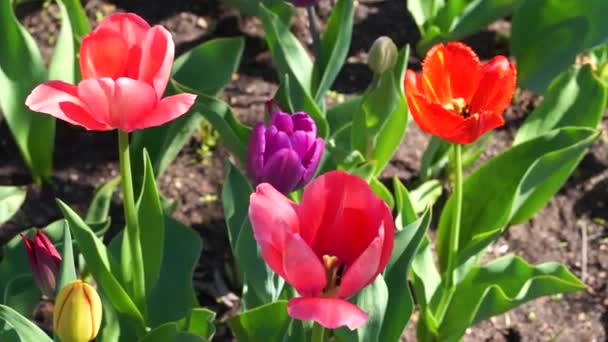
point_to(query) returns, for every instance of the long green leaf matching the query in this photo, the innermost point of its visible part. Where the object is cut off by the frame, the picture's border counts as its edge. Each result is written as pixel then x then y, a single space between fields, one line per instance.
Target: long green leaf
pixel 21 69
pixel 27 330
pixel 11 198
pixel 67 274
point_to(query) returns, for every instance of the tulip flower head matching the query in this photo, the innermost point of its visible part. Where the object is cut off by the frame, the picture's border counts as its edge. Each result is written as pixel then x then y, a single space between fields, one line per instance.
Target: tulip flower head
pixel 286 153
pixel 77 313
pixel 456 97
pixel 328 248
pixel 125 66
pixel 44 261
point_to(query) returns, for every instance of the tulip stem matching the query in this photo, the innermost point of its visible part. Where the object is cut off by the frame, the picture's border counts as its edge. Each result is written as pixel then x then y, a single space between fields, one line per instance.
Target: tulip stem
pixel 318 333
pixel 454 233
pixel 314 30
pixel 135 266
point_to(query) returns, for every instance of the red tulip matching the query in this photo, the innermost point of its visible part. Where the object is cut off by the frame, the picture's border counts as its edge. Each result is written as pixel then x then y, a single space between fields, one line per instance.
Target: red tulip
pixel 44 260
pixel 125 66
pixel 457 98
pixel 328 247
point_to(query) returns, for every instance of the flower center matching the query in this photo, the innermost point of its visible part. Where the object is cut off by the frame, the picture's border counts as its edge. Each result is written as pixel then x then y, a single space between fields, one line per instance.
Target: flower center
pixel 458 106
pixel 333 274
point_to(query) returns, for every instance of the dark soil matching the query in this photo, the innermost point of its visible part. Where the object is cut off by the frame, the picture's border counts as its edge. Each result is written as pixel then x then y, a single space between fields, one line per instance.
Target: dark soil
pixel 84 160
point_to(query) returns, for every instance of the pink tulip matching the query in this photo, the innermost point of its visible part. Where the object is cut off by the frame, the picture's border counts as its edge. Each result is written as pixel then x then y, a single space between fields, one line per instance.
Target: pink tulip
pixel 44 260
pixel 125 66
pixel 328 248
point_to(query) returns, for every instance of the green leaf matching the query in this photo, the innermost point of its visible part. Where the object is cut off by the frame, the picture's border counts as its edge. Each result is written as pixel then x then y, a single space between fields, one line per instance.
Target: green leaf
pixel 101 265
pixel 170 332
pixel 341 114
pixel 383 192
pixel 67 273
pixel 576 25
pixel 373 299
pixel 21 69
pixel 400 302
pixel 434 158
pixel 235 201
pixel 478 14
pixel 511 187
pixel 334 47
pixel 425 195
pixel 575 98
pixel 208 67
pixel 200 323
pixel 174 297
pixel 288 54
pixel 500 286
pixel 426 283
pixel 99 208
pixel 64 64
pixel 151 219
pixel 406 213
pixel 423 11
pixel 28 331
pixel 11 199
pixel 78 18
pixel 265 323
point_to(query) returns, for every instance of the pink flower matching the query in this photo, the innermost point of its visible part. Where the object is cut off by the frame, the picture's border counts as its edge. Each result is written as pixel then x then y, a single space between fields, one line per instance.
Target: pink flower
pixel 125 66
pixel 44 262
pixel 328 248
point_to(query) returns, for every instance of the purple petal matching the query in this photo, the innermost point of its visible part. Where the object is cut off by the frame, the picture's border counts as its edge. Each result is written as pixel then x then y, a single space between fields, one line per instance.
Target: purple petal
pixel 283 122
pixel 303 122
pixel 302 142
pixel 283 170
pixel 275 142
pixel 311 161
pixel 255 152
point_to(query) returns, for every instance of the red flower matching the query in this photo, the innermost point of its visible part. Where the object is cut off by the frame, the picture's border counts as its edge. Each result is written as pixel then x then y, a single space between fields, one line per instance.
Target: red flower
pixel 328 248
pixel 125 66
pixel 456 98
pixel 44 260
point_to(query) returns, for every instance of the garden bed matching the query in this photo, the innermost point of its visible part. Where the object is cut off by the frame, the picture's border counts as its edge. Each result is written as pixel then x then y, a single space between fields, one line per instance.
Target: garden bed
pixel 571 228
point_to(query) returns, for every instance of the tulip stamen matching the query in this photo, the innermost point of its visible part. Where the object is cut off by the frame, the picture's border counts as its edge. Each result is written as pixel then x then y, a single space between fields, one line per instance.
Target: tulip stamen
pixel 459 106
pixel 333 274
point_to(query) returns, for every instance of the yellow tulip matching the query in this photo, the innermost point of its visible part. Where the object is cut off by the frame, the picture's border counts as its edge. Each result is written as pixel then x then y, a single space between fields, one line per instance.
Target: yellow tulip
pixel 77 314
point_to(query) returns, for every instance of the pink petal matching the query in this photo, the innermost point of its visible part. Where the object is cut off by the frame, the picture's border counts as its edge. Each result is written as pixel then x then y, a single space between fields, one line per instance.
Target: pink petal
pixel 272 216
pixel 166 110
pixel 103 53
pixel 303 269
pixel 156 59
pixel 331 313
pixel 117 102
pixel 364 270
pixel 60 100
pixel 131 26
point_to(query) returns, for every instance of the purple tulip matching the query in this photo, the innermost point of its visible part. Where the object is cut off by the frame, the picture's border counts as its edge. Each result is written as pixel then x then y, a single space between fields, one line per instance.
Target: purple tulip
pixel 304 3
pixel 44 261
pixel 286 153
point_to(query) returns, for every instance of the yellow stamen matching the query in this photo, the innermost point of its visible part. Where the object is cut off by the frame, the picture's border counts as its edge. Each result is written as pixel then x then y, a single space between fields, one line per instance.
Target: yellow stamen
pixel 333 274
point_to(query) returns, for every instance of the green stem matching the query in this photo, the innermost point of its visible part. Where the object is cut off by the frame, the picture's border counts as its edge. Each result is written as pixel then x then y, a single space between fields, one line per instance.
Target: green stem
pixel 454 233
pixel 314 30
pixel 318 333
pixel 134 243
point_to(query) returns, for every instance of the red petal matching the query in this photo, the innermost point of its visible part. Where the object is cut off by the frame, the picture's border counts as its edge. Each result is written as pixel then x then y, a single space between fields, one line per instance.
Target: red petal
pixel 331 313
pixel 60 100
pixel 303 269
pixel 340 215
pixel 364 270
pixel 272 216
pixel 166 110
pixel 474 127
pixel 433 118
pixel 496 87
pixel 450 72
pixel 156 59
pixel 103 53
pixel 131 26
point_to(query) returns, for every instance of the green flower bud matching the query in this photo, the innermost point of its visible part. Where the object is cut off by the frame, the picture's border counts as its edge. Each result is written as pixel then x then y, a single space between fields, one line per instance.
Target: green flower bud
pixel 382 55
pixel 77 314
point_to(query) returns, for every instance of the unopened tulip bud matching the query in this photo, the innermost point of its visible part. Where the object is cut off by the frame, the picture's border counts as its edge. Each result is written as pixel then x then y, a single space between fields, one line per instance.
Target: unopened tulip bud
pixel 77 314
pixel 286 152
pixel 382 55
pixel 44 262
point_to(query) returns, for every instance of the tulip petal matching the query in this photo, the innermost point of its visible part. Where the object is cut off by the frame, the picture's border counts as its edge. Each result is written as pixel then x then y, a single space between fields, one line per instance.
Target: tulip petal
pixel 283 170
pixel 272 216
pixel 283 122
pixel 131 26
pixel 434 118
pixel 103 53
pixel 311 160
pixel 303 122
pixel 303 269
pixel 496 87
pixel 364 270
pixel 156 59
pixel 255 152
pixel 275 140
pixel 339 207
pixel 167 109
pixel 60 100
pixel 450 72
pixel 331 313
pixel 475 126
